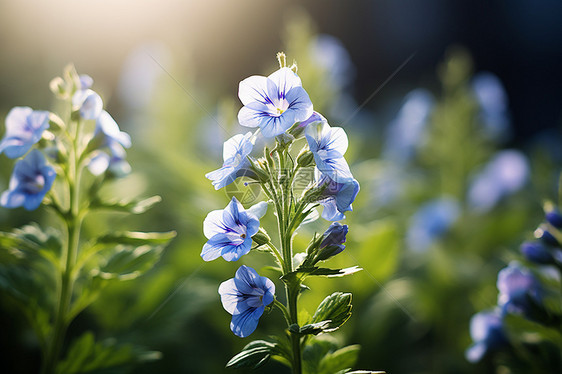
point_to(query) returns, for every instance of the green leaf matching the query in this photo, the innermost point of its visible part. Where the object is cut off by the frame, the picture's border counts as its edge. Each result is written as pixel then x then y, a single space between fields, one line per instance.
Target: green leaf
pixel 335 309
pixel 129 262
pixel 85 355
pixel 253 355
pixel 137 238
pixel 302 272
pixel 31 242
pixel 342 359
pixel 527 331
pixel 132 206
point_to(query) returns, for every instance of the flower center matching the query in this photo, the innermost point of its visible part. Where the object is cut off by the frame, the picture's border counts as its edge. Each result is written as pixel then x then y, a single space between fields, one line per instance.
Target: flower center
pixel 243 236
pixel 35 185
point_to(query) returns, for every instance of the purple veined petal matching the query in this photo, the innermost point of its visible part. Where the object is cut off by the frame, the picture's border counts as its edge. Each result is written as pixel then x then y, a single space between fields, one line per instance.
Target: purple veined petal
pixel 245 323
pixel 231 214
pixel 222 177
pixel 24 127
pixel 214 247
pixel 338 140
pixel 257 89
pixel 107 125
pixel 315 117
pixel 214 224
pixel 99 163
pixel 230 296
pixel 330 212
pixel 247 275
pixel 88 103
pixel 233 253
pixel 285 79
pixel 278 125
pixel 15 119
pixel 238 145
pixel 299 104
pixel 253 115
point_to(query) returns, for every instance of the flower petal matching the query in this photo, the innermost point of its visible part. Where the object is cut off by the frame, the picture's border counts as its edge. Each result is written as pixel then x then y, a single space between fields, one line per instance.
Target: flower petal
pixel 257 89
pixel 214 224
pixel 245 323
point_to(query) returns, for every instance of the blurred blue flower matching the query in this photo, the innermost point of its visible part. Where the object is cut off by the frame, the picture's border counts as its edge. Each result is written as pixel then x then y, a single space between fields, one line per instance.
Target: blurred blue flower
pixel 431 221
pixel 24 127
pixel 536 252
pixel 505 174
pixel 554 217
pixel 517 286
pixel 273 103
pixel 230 230
pixel 406 133
pixel 85 81
pixel 338 194
pixel 245 297
pixel 315 117
pixel 235 152
pixel 487 332
pixel 31 180
pixel 328 145
pixel 330 54
pixel 88 103
pixel 113 141
pixel 492 100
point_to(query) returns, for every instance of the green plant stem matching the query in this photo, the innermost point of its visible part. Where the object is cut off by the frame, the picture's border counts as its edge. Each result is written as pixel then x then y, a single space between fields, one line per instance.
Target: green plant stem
pixel 73 222
pixel 292 289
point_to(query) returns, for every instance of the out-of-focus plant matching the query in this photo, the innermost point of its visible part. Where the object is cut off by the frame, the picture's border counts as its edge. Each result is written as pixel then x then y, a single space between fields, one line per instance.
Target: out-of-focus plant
pixel 524 331
pixel 54 273
pixel 295 184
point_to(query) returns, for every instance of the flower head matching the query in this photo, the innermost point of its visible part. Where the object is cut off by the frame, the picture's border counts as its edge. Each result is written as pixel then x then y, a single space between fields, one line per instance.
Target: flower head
pixel 487 332
pixel 273 103
pixel 245 297
pixel 31 180
pixel 88 103
pixel 328 145
pixel 536 252
pixel 235 151
pixel 230 230
pixel 517 286
pixel 108 135
pixel 24 127
pixel 338 194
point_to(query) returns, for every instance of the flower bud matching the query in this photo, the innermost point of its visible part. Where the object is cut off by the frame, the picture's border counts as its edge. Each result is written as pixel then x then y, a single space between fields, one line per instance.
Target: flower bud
pixel 543 234
pixel 261 237
pixel 332 242
pixel 305 159
pixel 536 252
pixel 554 218
pixel 57 87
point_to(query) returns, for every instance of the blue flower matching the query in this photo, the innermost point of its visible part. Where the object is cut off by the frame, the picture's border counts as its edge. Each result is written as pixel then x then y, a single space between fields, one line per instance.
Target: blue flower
pixel 505 174
pixel 31 180
pixel 108 136
pixel 492 99
pixel 338 194
pixel 24 127
pixel 328 145
pixel 517 286
pixel 406 134
pixel 230 230
pixel 235 152
pixel 88 103
pixel 487 332
pixel 273 103
pixel 431 221
pixel 554 217
pixel 85 81
pixel 245 297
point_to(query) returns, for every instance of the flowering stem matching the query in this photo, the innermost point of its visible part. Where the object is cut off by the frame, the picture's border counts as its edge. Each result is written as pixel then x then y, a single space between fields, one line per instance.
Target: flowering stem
pixel 73 221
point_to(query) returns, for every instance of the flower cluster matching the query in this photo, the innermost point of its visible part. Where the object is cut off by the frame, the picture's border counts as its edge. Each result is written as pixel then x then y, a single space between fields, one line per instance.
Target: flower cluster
pixel 33 176
pixel 522 292
pixel 282 111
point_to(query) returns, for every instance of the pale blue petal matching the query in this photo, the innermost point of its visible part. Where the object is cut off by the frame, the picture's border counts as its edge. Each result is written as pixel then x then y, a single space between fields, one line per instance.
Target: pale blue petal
pixel 285 79
pixel 99 163
pixel 299 104
pixel 214 224
pixel 88 103
pixel 258 210
pixel 245 323
pixel 256 89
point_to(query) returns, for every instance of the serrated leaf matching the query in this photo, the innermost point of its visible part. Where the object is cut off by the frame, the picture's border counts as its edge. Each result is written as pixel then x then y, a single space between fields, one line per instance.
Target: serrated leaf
pixel 253 355
pixel 133 206
pixel 342 359
pixel 128 263
pixel 85 355
pixel 336 309
pixel 137 238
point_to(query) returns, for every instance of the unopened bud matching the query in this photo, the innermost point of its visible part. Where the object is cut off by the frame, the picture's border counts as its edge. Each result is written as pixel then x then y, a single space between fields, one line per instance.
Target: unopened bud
pixel 305 159
pixel 261 237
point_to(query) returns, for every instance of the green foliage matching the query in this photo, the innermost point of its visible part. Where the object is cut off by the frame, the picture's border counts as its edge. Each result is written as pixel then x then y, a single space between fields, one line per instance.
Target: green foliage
pixel 322 356
pixel 332 313
pixel 85 355
pixel 379 249
pixel 254 355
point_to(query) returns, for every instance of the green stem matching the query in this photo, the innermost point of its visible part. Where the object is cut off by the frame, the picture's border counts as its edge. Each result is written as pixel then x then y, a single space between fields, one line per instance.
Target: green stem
pixel 73 221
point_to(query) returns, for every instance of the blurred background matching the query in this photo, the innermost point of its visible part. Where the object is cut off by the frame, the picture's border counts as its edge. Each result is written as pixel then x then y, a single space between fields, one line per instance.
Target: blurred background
pixel 453 110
